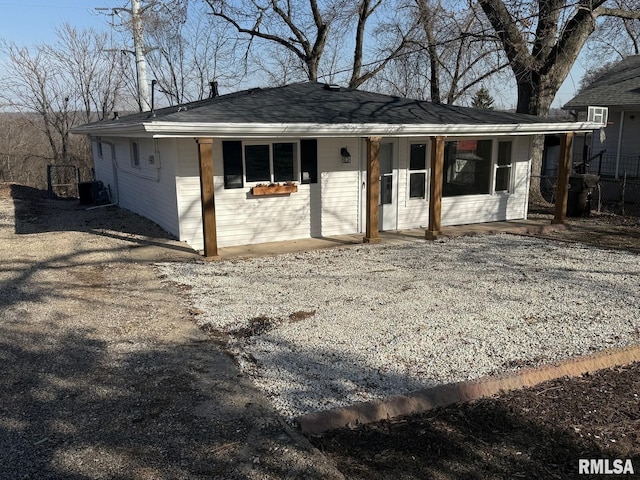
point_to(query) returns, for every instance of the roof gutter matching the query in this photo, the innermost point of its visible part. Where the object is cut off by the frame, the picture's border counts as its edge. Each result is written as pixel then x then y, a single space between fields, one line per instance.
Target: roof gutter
pixel 160 129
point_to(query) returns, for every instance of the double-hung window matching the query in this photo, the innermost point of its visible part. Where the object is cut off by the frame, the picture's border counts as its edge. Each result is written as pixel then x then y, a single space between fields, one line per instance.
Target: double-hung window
pixel 503 167
pixel 275 162
pixel 269 162
pixel 417 170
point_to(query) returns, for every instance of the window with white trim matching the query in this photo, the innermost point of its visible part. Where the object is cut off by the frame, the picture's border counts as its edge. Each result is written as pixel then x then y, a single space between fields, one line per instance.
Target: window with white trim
pixel 477 167
pixel 418 170
pixel 503 167
pixel 269 162
pixel 135 155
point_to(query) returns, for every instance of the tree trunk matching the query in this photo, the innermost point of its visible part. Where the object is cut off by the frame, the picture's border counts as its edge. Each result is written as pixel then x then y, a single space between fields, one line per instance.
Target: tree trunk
pixel 535 95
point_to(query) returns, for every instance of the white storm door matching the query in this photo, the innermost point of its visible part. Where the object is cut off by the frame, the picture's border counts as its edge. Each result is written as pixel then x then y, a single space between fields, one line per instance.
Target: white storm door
pixel 388 188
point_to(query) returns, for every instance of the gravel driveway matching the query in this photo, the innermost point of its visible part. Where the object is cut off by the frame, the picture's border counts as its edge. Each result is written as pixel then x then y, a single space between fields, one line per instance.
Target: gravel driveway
pixel 328 328
pixel 103 374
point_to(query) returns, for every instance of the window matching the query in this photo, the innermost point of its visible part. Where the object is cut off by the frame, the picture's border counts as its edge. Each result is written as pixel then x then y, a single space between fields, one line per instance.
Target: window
pixel 467 168
pixel 284 162
pixel 417 170
pixel 503 167
pixel 232 164
pixel 269 162
pixel 135 155
pixel 256 160
pixel 100 153
pixel 309 161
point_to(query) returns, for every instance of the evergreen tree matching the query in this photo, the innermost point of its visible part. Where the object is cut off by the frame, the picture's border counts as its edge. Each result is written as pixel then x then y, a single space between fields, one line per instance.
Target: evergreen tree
pixel 482 99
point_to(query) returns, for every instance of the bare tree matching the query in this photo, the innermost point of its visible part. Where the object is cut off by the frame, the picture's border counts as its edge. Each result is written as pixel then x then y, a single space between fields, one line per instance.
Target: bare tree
pixel 96 74
pixel 35 84
pixel 450 53
pixel 614 38
pixel 317 34
pixel 301 31
pixel 49 89
pixel 542 41
pixel 191 50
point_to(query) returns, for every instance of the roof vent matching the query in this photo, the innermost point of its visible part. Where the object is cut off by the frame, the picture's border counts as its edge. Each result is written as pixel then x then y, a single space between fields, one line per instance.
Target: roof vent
pixel 597 115
pixel 332 87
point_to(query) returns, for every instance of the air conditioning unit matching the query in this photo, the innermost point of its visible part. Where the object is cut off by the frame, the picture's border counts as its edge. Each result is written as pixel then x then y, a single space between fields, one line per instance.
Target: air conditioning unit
pixel 598 115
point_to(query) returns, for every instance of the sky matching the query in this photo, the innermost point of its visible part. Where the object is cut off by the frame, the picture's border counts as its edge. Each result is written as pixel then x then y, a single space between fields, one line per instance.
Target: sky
pixel 35 21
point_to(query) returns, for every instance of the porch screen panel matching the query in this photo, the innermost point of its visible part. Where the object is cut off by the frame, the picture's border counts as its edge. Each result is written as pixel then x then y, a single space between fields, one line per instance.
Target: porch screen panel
pixel 232 164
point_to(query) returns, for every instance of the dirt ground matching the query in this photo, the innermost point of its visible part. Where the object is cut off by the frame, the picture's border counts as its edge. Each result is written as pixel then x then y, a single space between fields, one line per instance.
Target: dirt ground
pixel 104 375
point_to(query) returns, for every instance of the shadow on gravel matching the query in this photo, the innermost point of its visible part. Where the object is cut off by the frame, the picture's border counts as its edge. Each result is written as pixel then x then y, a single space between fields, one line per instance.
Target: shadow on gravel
pixel 35 214
pixel 86 397
pixel 66 412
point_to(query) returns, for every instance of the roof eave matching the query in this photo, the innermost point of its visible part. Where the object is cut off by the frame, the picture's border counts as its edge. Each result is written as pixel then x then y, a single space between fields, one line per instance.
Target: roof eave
pixel 256 130
pixel 260 130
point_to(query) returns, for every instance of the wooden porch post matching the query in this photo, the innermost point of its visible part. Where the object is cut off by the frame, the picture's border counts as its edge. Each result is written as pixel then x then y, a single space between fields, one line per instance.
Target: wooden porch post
pixel 564 169
pixel 373 191
pixel 205 157
pixel 435 188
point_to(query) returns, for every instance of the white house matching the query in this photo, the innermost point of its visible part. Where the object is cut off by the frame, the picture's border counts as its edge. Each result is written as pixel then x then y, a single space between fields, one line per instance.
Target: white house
pixel 339 161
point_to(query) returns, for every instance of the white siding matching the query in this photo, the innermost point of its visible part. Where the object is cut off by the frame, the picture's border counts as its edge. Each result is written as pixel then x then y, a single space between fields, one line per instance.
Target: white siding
pixel 326 208
pixel 103 167
pixel 339 186
pixel 329 207
pixel 149 190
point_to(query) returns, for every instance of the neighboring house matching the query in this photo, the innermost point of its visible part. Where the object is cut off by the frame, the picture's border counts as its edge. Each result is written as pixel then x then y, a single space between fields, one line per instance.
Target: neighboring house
pixel 195 168
pixel 618 143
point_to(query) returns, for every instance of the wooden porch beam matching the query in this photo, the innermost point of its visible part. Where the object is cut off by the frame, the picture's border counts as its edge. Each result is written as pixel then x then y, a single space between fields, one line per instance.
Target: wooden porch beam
pixel 435 188
pixel 372 234
pixel 564 169
pixel 210 235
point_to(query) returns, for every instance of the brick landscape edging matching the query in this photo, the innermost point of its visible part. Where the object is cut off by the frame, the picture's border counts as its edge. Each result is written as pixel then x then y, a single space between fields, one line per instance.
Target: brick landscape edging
pixel 441 395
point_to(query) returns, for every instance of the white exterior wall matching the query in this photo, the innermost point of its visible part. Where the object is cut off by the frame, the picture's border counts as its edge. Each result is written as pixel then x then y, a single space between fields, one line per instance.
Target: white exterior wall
pixel 103 167
pixel 150 189
pixel 329 207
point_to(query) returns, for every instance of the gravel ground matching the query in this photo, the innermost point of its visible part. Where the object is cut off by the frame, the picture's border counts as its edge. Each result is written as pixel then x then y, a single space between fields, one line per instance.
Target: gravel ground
pixel 103 373
pixel 329 328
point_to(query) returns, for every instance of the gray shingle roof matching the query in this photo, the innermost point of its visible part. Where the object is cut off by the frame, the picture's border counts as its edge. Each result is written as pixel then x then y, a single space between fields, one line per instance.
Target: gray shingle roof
pixel 315 103
pixel 619 87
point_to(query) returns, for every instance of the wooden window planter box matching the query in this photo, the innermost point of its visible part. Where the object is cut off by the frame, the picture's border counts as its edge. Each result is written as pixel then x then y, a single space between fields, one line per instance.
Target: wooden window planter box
pixel 273 190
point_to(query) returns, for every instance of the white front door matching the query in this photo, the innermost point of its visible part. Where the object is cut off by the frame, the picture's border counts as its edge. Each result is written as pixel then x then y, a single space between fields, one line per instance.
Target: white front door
pixel 388 188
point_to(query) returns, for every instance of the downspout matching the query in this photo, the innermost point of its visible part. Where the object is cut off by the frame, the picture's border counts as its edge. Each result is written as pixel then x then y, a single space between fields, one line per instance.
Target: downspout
pixel 619 144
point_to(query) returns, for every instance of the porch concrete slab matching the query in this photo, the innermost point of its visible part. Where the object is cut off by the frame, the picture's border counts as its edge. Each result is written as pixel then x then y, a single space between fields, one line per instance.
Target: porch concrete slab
pixel 396 237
